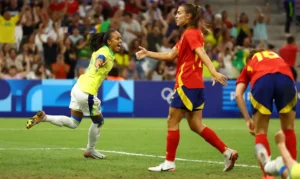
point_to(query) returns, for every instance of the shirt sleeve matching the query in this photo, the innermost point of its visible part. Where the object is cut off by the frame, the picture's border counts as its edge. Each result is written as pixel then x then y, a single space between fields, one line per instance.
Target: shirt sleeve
pixel 244 77
pixel 194 39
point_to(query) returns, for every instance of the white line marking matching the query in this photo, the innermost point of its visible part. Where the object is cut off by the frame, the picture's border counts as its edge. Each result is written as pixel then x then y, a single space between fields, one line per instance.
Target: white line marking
pixel 119 129
pixel 133 154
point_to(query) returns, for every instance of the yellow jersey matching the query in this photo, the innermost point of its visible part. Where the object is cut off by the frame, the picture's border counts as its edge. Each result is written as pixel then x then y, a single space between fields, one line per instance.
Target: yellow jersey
pixel 295 172
pixel 93 78
pixel 7 29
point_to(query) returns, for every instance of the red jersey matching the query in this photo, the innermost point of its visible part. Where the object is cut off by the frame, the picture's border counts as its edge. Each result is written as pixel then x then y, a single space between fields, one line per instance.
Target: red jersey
pixel 189 65
pixel 289 54
pixel 263 63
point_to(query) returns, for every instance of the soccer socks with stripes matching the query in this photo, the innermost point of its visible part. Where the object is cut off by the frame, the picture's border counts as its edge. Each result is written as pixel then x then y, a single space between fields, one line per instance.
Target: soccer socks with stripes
pixel 93 136
pixel 172 144
pixel 212 138
pixel 291 142
pixel 263 139
pixel 62 121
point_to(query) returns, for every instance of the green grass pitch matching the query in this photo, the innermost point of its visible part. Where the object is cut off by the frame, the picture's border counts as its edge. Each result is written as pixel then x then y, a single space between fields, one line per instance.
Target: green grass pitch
pixel 131 146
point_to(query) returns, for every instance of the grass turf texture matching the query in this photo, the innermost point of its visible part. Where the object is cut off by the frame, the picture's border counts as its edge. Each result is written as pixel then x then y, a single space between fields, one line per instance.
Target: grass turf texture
pixel 142 136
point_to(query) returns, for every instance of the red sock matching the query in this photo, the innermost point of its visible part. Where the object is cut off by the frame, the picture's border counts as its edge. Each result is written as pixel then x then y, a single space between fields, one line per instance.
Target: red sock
pixel 211 137
pixel 263 139
pixel 291 143
pixel 172 143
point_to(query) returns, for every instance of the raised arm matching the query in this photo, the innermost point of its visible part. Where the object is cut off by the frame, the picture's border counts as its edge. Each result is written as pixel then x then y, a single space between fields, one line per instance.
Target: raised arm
pixel 162 56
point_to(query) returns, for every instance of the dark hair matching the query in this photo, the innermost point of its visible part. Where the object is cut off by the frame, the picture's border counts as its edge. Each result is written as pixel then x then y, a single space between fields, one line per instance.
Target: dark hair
pixel 195 11
pixel 253 52
pixel 99 39
pixel 290 39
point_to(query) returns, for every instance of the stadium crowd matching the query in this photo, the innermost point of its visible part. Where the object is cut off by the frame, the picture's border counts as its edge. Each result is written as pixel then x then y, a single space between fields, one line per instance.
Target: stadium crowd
pixel 41 39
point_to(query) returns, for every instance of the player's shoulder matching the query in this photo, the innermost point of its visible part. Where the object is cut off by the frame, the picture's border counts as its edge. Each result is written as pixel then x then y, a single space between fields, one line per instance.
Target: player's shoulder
pixel 193 31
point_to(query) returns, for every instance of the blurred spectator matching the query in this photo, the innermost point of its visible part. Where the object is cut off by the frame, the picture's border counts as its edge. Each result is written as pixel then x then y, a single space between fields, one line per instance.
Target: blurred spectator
pixel 47 31
pixel 50 51
pixel 8 24
pixel 69 53
pixel 83 53
pixel 132 73
pixel 225 20
pixel 130 28
pixel 260 26
pixel 114 75
pixel 159 73
pixel 12 60
pixel 289 54
pixel 12 72
pixel 39 73
pixel 242 27
pixel 122 58
pixel 79 72
pixel 60 69
pixel 75 37
pixel 227 67
pixel 289 6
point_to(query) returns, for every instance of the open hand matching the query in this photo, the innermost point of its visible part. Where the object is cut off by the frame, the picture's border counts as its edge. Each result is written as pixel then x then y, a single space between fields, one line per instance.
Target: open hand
pixel 142 53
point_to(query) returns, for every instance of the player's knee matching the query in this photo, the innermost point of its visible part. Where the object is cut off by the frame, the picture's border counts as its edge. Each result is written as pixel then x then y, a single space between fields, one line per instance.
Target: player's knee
pixel 197 128
pixel 99 120
pixel 74 125
pixel 172 124
pixel 76 122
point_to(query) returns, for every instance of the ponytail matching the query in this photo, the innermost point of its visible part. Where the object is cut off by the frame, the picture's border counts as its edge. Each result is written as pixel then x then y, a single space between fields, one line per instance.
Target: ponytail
pixel 98 40
pixel 197 18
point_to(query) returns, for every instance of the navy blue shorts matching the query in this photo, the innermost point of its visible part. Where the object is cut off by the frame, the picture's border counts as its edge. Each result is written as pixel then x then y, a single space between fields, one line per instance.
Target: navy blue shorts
pixel 273 87
pixel 188 99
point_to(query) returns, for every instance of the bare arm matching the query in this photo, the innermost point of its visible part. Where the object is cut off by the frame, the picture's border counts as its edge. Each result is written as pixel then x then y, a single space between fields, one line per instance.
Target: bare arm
pixel 286 156
pixel 200 51
pixel 162 56
pixel 23 74
pixel 239 93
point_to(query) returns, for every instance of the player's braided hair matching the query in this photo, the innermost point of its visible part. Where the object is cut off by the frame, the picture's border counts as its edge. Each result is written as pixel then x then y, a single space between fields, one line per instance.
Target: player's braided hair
pixel 196 12
pixel 97 40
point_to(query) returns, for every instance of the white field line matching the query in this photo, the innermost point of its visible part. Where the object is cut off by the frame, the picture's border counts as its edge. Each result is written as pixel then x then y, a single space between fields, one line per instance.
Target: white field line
pixel 107 129
pixel 131 154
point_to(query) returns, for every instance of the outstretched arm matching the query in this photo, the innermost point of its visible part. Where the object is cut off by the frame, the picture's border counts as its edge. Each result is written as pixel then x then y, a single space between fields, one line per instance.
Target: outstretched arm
pixel 162 56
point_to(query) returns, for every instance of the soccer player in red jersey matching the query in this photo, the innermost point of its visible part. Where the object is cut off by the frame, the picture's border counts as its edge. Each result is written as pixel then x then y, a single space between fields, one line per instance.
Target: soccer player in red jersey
pixel 188 97
pixel 271 80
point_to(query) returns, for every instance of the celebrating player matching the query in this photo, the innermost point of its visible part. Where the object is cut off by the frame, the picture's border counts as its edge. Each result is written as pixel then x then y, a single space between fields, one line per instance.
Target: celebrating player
pixel 84 100
pixel 188 98
pixel 285 165
pixel 271 79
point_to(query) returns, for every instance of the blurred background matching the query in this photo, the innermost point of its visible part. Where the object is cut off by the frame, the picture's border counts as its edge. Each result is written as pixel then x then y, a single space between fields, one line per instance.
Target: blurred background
pixel 42 39
pixel 44 44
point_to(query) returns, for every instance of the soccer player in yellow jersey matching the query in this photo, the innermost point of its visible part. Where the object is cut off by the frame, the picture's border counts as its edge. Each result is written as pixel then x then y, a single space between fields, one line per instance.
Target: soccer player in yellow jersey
pixel 284 166
pixel 84 100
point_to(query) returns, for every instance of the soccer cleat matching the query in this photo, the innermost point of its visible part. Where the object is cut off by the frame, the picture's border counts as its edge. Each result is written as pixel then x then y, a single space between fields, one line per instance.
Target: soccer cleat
pixel 230 160
pixel 38 117
pixel 93 154
pixel 164 167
